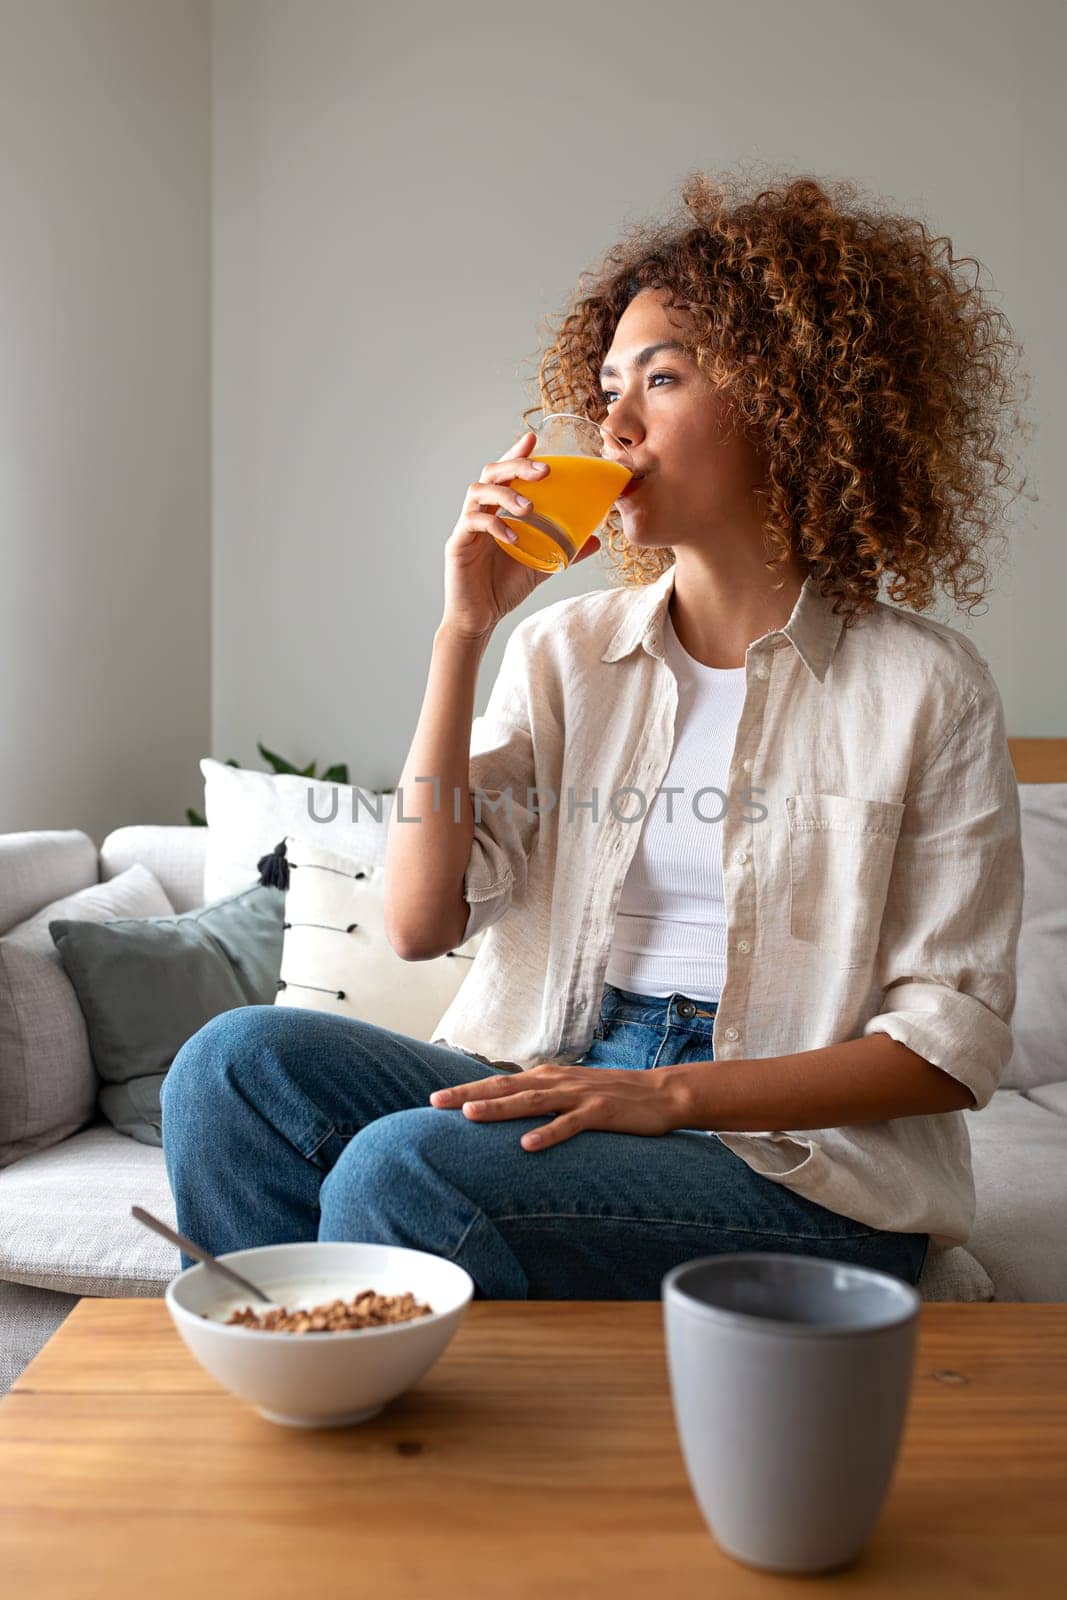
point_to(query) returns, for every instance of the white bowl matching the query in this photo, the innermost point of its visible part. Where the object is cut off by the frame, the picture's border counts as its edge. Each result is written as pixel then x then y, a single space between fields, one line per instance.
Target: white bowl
pixel 319 1380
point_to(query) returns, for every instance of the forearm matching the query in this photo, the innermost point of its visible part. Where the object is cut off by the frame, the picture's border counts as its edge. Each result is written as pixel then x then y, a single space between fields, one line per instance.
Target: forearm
pixel 862 1080
pixel 426 859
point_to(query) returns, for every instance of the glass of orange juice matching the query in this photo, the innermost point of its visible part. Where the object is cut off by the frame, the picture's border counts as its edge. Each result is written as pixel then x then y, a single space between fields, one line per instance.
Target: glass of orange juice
pixel 588 468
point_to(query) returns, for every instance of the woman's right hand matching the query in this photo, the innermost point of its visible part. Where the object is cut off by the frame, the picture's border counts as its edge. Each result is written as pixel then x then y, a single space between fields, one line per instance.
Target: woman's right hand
pixel 482 582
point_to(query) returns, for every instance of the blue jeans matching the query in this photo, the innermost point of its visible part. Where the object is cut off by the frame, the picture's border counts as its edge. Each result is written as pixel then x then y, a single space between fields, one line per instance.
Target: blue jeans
pixel 284 1124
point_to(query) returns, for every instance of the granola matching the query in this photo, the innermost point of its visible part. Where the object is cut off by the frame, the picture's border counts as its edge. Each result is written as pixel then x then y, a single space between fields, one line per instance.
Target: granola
pixel 367 1309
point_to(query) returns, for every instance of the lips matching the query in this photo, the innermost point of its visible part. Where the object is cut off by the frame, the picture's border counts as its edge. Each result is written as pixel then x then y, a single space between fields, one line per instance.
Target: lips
pixel 634 484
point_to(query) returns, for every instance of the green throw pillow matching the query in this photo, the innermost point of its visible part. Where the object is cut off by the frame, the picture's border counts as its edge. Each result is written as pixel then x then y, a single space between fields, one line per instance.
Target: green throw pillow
pixel 146 985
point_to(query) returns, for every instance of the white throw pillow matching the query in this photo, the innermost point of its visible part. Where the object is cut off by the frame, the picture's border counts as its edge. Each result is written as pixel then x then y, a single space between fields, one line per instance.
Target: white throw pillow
pixel 48 1084
pixel 249 813
pixel 1039 1025
pixel 336 956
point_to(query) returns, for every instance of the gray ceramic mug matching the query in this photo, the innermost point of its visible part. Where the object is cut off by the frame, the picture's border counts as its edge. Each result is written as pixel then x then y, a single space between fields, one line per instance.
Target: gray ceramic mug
pixel 790 1378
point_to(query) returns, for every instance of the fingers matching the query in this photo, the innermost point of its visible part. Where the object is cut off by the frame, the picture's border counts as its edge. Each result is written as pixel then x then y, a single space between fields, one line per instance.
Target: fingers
pixel 494 525
pixel 529 1103
pixel 485 495
pixel 477 1089
pixel 513 464
pixel 523 1103
pixel 502 1102
pixel 555 1132
pixel 501 1083
pixel 522 444
pixel 504 471
pixel 492 490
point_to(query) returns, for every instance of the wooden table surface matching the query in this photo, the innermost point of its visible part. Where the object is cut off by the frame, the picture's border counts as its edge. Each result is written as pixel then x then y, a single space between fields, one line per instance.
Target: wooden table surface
pixel 537 1458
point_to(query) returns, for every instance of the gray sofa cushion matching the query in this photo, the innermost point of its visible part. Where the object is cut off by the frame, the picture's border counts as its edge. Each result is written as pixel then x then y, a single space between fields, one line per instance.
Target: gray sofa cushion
pixel 1039 1025
pixel 1019 1155
pixel 65 1220
pixel 1053 1096
pixel 146 985
pixel 174 855
pixel 38 867
pixel 48 1086
pixel 954 1274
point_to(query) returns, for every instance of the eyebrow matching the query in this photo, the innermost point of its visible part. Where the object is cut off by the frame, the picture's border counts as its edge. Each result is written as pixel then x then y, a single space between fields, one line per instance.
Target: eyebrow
pixel 643 357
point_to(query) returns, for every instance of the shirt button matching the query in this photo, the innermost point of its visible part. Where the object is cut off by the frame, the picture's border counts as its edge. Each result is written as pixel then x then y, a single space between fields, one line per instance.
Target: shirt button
pixel 744 946
pixel 731 1033
pixel 762 672
pixel 740 856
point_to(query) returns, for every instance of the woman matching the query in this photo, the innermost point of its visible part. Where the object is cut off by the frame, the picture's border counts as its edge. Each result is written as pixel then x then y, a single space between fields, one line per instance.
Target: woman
pixel 744 1025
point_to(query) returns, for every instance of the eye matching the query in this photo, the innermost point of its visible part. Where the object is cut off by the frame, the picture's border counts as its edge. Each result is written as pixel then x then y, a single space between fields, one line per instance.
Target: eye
pixel 605 394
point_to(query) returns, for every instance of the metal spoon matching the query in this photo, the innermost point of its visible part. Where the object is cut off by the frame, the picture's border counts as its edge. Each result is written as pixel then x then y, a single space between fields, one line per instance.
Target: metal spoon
pixel 201 1254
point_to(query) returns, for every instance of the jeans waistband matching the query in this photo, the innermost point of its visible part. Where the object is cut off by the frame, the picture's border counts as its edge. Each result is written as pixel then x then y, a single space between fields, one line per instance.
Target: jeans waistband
pixel 665 1009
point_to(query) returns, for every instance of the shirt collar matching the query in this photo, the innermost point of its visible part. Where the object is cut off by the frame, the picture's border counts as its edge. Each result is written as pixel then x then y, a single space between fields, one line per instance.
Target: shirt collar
pixel 813 630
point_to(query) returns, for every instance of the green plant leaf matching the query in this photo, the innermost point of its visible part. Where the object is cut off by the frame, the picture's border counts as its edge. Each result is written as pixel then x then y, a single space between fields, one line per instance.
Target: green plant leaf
pixel 279 763
pixel 308 772
pixel 194 819
pixel 337 773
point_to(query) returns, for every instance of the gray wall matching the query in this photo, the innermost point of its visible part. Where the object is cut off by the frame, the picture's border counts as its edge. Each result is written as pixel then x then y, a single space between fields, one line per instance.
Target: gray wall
pixel 403 193
pixel 105 174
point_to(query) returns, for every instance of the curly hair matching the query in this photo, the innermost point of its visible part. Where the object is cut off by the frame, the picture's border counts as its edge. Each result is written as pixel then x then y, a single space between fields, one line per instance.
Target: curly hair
pixel 872 375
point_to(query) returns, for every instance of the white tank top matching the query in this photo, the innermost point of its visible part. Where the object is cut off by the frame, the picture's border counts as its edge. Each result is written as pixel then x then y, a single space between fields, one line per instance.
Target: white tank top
pixel 670 928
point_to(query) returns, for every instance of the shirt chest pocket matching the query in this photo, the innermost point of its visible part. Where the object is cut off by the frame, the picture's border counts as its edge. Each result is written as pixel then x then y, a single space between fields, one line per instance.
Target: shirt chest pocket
pixel 840 861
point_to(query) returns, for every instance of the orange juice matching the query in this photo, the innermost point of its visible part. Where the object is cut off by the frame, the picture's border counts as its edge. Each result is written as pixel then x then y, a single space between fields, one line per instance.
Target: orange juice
pixel 567 506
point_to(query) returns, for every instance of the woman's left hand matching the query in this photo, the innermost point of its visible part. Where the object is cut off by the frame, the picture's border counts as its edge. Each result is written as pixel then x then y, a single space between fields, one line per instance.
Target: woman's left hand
pixel 620 1101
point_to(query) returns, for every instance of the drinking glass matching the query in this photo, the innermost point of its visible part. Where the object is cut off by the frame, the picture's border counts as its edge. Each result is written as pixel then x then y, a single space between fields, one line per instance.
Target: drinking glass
pixel 588 468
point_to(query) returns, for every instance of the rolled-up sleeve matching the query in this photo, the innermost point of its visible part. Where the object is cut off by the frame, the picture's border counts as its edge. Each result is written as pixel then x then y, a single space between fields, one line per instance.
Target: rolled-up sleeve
pixel 502 785
pixel 947 947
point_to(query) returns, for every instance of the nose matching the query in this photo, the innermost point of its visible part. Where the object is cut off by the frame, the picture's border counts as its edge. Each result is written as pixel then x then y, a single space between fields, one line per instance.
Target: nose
pixel 624 417
pixel 625 428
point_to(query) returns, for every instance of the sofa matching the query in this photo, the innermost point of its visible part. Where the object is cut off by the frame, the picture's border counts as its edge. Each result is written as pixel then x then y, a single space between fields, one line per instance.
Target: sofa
pixel 65 1223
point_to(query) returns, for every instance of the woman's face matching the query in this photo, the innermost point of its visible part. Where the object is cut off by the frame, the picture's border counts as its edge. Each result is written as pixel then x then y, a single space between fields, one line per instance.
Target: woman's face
pixel 701 471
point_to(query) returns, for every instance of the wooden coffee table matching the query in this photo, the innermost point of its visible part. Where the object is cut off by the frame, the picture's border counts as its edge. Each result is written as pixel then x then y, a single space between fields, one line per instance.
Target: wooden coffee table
pixel 537 1458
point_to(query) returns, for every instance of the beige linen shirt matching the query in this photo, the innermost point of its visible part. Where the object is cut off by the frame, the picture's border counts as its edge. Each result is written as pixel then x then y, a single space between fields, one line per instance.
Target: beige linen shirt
pixel 871 857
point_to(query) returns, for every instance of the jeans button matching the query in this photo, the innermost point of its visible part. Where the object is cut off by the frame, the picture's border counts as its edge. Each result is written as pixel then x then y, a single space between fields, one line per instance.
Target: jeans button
pixel 686 1008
